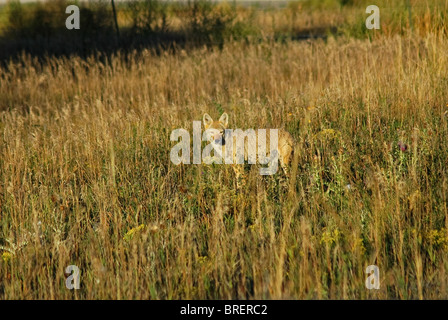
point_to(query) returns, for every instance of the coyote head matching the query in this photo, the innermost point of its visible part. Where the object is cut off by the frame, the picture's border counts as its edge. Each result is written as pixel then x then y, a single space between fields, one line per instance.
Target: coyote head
pixel 215 130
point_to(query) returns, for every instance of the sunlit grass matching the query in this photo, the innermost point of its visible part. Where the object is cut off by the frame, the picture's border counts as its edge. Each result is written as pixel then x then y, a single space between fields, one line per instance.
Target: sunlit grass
pixel 86 179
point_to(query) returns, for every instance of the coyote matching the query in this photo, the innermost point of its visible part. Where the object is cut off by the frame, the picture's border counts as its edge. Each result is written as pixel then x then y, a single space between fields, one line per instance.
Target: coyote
pixel 216 135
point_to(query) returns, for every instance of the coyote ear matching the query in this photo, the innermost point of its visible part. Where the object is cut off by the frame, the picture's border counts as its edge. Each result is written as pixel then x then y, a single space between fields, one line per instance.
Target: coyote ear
pixel 207 120
pixel 224 119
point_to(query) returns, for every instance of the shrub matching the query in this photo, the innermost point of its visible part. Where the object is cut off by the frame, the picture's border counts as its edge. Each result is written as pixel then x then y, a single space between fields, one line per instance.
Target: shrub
pixel 46 20
pixel 148 16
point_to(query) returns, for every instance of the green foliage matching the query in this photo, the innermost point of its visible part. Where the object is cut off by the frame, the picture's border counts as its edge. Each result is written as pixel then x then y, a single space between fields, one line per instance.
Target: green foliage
pixel 48 19
pixel 36 19
pixel 148 16
pixel 215 24
pixel 322 4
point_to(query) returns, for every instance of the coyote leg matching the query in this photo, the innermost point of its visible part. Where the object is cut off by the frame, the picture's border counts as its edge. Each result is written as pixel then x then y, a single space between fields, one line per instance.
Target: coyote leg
pixel 285 159
pixel 285 169
pixel 239 175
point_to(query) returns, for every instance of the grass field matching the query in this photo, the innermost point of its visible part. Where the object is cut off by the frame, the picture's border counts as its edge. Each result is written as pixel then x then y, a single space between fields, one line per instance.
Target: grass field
pixel 86 178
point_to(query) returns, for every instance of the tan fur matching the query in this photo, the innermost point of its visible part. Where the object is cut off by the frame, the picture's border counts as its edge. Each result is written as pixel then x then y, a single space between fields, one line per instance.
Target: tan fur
pixel 285 143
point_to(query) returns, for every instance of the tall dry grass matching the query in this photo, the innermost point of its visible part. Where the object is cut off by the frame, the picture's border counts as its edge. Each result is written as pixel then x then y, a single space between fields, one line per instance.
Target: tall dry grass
pixel 84 161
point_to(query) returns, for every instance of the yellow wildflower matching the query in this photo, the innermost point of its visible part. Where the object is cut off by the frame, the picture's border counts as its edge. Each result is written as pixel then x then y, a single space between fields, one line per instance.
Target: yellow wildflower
pixel 330 237
pixel 328 134
pixel 130 234
pixel 359 245
pixel 202 259
pixel 438 238
pixel 6 256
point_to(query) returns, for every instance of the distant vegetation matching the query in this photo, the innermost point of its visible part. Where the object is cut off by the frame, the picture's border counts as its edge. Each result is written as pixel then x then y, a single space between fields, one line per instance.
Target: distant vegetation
pixel 39 28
